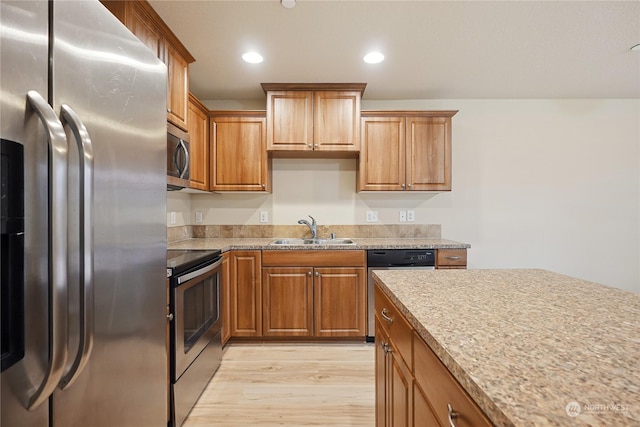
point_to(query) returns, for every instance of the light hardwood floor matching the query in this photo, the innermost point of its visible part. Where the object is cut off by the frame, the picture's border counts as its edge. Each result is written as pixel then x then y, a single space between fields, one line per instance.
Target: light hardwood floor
pixel 290 385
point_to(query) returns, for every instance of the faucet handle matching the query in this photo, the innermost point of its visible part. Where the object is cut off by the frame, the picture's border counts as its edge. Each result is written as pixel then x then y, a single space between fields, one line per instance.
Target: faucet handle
pixel 312 219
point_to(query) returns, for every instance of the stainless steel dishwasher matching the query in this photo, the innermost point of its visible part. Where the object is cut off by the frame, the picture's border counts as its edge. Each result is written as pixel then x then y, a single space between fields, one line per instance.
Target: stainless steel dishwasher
pixel 393 259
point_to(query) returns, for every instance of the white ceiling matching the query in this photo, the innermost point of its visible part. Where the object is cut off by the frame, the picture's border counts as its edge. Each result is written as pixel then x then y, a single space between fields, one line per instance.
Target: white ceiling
pixel 433 49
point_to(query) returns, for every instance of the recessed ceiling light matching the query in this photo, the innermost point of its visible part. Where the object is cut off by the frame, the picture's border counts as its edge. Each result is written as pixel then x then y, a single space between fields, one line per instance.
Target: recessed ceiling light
pixel 252 57
pixel 288 3
pixel 636 47
pixel 373 57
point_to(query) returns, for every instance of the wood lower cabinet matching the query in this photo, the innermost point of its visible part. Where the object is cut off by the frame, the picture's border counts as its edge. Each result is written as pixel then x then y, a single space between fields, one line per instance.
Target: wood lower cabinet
pixel 314 293
pixel 246 293
pixel 239 160
pixel 451 259
pixel 413 387
pixel 415 146
pixel 198 144
pixel 313 117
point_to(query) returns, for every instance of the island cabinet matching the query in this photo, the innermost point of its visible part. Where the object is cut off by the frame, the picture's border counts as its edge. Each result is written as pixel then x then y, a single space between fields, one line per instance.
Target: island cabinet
pixel 239 160
pixel 198 120
pixel 143 21
pixel 246 293
pixel 314 293
pixel 308 118
pixel 405 151
pixel 413 387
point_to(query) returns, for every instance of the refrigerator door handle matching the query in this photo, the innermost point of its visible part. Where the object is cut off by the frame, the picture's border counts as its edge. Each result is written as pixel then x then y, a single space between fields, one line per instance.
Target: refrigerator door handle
pixel 58 177
pixel 85 158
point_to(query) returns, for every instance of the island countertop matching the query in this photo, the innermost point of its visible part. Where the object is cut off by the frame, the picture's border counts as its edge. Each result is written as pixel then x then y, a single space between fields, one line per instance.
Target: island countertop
pixel 531 347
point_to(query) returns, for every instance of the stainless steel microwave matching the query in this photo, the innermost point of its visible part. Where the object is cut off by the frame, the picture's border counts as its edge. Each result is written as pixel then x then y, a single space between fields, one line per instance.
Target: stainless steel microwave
pixel 177 158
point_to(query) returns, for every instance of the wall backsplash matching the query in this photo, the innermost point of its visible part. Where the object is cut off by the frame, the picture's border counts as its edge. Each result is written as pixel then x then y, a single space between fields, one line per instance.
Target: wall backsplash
pixel 175 234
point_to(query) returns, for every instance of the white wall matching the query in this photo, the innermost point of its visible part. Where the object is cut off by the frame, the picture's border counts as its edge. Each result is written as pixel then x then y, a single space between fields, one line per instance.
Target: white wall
pixel 551 184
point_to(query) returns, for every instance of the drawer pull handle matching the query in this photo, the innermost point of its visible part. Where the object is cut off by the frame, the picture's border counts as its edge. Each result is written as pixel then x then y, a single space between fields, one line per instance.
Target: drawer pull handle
pixel 385 316
pixel 455 257
pixel 451 415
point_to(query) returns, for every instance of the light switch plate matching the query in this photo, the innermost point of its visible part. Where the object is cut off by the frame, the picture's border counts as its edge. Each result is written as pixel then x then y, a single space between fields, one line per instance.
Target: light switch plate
pixel 372 216
pixel 403 216
pixel 264 217
pixel 172 218
pixel 411 216
pixel 198 217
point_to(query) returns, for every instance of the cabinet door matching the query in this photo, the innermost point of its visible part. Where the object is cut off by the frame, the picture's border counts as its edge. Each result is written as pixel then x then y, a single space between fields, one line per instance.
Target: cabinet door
pixel 178 86
pixel 340 301
pixel 382 155
pixel 382 340
pixel 287 301
pixel 290 120
pixel 140 24
pixel 226 297
pixel 336 125
pixel 198 144
pixel 428 161
pixel 400 390
pixel 246 294
pixel 423 414
pixel 239 157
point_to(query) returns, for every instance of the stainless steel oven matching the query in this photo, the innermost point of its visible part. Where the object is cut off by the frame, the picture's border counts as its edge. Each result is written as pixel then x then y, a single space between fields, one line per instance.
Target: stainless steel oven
pixel 196 325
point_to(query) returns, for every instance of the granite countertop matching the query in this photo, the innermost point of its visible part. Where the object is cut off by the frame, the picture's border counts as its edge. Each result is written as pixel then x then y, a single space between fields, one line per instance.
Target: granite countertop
pixel 248 243
pixel 531 347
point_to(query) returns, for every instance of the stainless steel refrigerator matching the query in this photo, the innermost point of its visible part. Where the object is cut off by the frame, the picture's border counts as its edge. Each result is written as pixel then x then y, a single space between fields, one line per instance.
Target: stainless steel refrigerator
pixel 83 127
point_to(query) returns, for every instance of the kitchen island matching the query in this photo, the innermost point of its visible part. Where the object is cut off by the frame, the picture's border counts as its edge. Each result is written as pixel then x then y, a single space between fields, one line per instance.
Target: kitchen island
pixel 530 347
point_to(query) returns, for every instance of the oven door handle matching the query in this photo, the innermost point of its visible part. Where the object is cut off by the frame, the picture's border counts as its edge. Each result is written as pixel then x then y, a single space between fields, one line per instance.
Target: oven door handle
pixel 199 272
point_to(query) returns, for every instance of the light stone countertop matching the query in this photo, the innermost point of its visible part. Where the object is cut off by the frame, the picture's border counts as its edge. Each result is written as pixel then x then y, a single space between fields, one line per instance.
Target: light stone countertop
pixel 525 344
pixel 248 243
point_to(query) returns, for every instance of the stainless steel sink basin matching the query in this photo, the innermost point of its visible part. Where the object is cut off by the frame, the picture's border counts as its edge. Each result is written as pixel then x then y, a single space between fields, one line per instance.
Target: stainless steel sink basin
pixel 313 242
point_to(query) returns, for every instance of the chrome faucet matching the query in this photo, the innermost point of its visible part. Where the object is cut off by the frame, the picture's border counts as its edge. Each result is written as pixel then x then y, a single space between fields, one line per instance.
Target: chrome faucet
pixel 313 226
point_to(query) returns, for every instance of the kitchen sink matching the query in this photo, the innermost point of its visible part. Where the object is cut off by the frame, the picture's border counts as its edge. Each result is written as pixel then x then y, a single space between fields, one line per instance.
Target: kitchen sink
pixel 313 242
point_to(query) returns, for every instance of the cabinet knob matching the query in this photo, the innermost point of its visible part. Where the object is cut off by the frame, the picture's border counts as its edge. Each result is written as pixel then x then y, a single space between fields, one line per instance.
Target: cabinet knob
pixel 309 145
pixel 451 415
pixel 403 185
pixel 309 274
pixel 315 145
pixel 168 110
pixel 263 186
pixel 170 317
pixel 385 315
pixel 317 274
pixel 409 185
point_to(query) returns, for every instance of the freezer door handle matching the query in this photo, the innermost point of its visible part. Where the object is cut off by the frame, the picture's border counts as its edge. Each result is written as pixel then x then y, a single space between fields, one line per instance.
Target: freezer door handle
pixel 58 150
pixel 85 158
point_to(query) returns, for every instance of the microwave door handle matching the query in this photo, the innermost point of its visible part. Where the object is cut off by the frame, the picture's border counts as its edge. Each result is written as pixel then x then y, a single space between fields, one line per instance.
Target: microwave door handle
pixel 184 171
pixel 85 158
pixel 58 150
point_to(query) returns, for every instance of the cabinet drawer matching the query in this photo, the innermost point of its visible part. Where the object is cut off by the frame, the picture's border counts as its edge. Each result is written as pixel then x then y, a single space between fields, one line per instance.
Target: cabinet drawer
pixel 314 258
pixel 441 388
pixel 394 323
pixel 451 258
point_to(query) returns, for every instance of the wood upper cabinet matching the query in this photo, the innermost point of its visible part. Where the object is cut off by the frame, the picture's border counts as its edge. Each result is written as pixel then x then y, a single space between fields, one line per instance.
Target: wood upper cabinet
pixel 177 85
pixel 239 160
pixel 198 144
pixel 143 21
pixel 313 117
pixel 314 293
pixel 405 151
pixel 246 294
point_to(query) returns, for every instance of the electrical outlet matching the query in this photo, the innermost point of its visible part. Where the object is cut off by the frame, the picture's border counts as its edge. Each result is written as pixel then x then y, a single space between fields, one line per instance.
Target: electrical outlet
pixel 264 217
pixel 411 216
pixel 172 218
pixel 372 216
pixel 198 217
pixel 403 216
